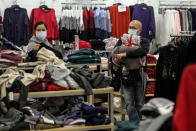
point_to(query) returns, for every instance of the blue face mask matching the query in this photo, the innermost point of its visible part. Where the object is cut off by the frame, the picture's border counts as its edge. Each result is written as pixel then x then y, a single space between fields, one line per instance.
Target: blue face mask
pixel 132 31
pixel 41 35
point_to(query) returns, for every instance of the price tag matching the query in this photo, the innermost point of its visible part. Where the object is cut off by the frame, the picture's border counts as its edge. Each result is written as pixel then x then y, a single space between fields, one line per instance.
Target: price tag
pixel 121 8
pixel 11 96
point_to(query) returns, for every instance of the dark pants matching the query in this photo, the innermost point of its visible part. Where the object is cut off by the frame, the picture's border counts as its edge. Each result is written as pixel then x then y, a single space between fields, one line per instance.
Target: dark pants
pixel 133 91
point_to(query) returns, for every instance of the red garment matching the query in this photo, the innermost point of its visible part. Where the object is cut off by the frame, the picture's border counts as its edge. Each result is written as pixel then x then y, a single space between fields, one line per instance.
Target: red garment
pixel 91 20
pixel 120 21
pixel 184 118
pixel 49 18
pixel 151 71
pixel 86 19
pixel 151 59
pixel 150 88
pixel 83 44
pixel 40 84
pixel 15 58
pixel 53 87
pixel 128 43
pixel 12 55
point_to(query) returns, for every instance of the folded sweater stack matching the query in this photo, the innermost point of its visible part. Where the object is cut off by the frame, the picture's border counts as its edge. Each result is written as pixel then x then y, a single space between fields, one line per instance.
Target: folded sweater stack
pixel 10 57
pixel 84 56
pixel 95 115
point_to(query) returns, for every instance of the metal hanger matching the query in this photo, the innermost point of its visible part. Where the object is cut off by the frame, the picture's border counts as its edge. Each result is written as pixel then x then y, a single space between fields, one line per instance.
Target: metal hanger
pixel 43 5
pixel 15 5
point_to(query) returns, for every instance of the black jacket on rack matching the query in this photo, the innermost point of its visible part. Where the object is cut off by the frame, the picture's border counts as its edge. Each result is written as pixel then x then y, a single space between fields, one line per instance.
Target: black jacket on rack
pixel 173 58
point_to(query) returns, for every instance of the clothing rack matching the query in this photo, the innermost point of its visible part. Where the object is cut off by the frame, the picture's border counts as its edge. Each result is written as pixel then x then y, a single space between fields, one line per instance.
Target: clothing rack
pixel 83 4
pixel 182 35
pixel 67 4
pixel 177 4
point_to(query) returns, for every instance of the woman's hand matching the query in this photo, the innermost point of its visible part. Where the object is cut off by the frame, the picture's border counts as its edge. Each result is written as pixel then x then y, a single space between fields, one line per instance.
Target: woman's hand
pixel 36 46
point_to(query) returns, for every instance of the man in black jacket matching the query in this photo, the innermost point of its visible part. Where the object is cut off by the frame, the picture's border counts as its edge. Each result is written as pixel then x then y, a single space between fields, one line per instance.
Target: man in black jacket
pixel 130 53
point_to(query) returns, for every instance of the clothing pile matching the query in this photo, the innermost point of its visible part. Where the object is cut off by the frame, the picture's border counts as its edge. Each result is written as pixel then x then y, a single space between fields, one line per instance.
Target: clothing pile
pixel 10 120
pixel 95 115
pixel 82 44
pixel 10 57
pixel 48 113
pixel 6 44
pixel 97 44
pixel 84 56
pixel 110 43
pixel 88 80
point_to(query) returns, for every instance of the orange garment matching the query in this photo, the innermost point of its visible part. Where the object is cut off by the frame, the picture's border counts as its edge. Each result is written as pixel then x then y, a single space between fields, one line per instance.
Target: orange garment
pixel 120 21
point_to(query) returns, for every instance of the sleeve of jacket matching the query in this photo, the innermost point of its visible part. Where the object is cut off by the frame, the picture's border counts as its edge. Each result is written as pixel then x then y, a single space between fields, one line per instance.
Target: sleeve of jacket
pixel 31 23
pixel 55 27
pixel 6 24
pixel 142 51
pixel 26 32
pixel 119 43
pixel 152 26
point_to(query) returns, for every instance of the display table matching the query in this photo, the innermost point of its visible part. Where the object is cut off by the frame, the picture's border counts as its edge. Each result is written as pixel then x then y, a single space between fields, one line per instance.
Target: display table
pixel 108 91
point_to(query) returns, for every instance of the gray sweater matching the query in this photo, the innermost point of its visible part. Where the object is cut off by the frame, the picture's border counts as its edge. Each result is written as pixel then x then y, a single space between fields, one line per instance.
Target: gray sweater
pixel 131 63
pixel 34 41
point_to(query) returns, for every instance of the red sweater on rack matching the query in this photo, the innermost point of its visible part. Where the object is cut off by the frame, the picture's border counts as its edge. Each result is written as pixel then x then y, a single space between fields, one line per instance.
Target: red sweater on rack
pixel 120 21
pixel 184 118
pixel 38 14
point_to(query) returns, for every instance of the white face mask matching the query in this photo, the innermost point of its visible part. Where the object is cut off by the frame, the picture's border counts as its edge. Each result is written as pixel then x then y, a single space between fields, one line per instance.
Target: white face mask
pixel 41 35
pixel 132 31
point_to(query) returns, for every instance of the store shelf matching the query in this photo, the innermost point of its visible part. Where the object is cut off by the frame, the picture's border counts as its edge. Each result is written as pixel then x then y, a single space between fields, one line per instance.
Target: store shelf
pixel 104 67
pixel 119 94
pixel 81 65
pixel 151 64
pixel 151 80
pixel 149 95
pixel 64 93
pixel 81 128
pixel 102 51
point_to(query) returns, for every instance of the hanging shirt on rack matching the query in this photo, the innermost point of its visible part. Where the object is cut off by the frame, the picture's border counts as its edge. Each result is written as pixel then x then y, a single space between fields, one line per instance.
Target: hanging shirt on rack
pixel 185 21
pixel 145 14
pixel 16 25
pixel 193 13
pixel 47 16
pixel 91 25
pixel 108 23
pixel 190 21
pixel 168 24
pixel 120 21
pixel 100 24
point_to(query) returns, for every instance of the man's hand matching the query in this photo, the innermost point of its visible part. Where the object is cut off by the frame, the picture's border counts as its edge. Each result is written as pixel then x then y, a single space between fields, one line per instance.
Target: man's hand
pixel 118 57
pixel 36 46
